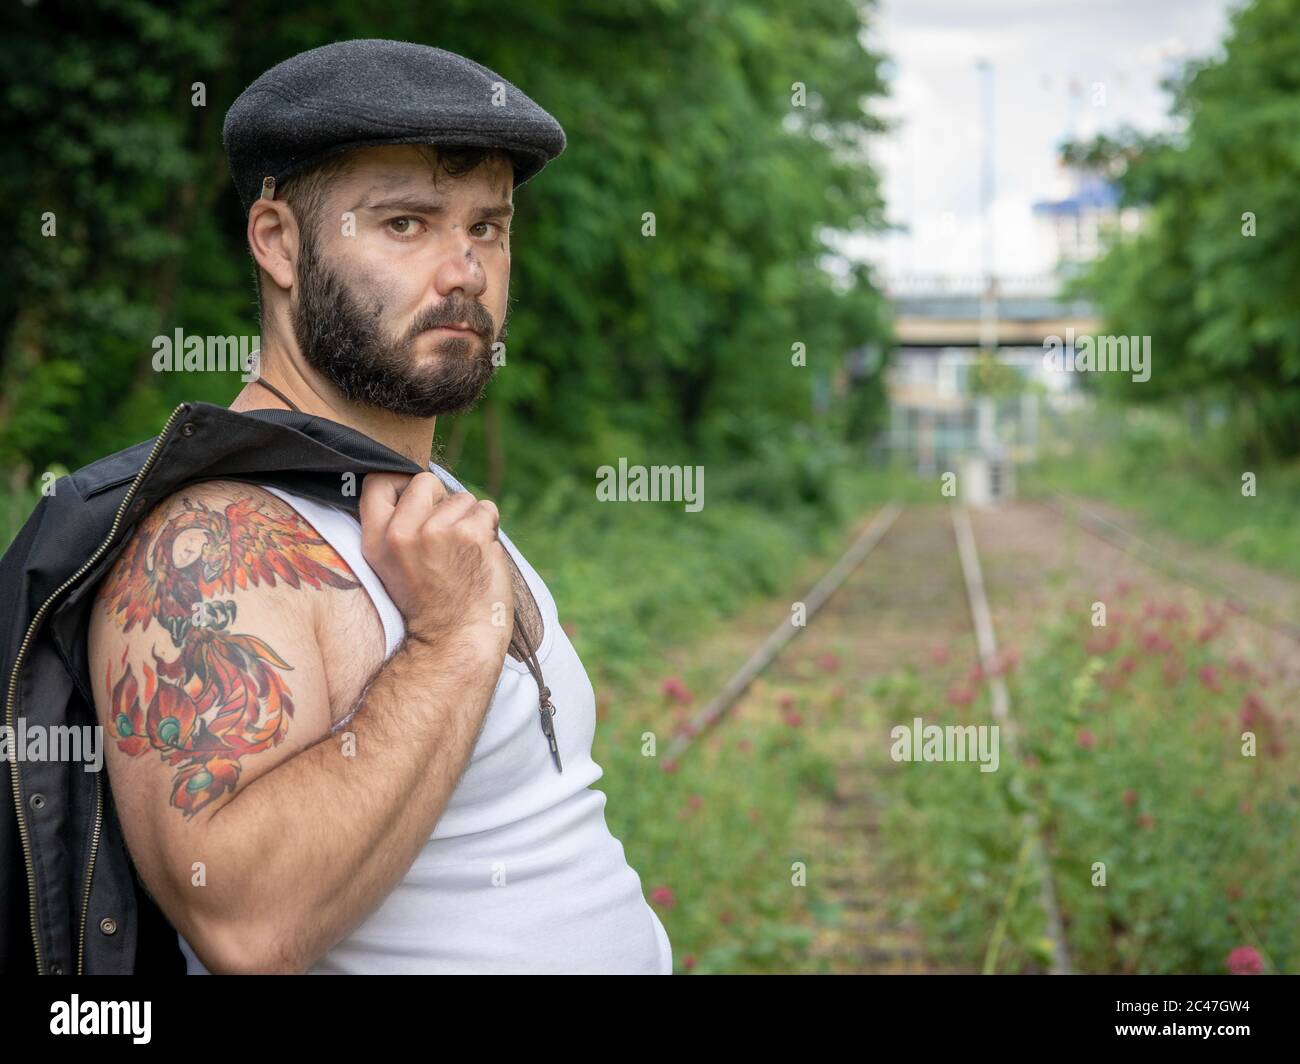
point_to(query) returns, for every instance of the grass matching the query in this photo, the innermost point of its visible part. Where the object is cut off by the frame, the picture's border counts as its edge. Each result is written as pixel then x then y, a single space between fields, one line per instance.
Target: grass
pixel 1186 484
pixel 1171 843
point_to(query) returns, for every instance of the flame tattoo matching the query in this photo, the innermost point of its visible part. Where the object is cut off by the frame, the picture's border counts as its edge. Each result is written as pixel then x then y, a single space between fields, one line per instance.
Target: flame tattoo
pixel 222 697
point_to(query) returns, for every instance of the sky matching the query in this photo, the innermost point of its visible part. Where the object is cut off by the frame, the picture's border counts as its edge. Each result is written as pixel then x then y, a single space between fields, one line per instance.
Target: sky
pixel 1060 68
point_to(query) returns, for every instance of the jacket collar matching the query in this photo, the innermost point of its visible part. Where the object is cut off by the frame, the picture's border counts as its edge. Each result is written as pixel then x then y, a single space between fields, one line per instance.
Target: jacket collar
pixel 302 453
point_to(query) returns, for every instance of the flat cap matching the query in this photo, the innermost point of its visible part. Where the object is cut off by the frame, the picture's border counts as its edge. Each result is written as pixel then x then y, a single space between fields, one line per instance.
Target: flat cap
pixel 359 93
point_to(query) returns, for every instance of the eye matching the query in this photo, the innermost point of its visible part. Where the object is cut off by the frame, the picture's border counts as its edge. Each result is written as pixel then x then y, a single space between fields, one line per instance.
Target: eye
pixel 404 227
pixel 501 229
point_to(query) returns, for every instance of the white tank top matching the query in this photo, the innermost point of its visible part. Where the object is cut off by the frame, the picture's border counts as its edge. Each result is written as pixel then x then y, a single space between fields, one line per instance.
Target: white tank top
pixel 521 874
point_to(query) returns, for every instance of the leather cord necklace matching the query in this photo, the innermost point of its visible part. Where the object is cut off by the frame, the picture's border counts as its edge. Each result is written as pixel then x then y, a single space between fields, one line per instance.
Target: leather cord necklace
pixel 518 641
pixel 545 706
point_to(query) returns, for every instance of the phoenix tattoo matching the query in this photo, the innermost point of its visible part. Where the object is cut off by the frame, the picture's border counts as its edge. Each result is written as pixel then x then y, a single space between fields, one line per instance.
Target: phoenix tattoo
pixel 222 697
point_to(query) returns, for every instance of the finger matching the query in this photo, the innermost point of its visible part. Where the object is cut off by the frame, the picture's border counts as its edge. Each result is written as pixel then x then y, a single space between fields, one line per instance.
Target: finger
pixel 421 495
pixel 484 519
pixel 450 510
pixel 379 496
pixel 489 507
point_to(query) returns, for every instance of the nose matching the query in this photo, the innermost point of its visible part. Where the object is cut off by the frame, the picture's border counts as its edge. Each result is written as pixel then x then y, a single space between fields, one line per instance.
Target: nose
pixel 459 267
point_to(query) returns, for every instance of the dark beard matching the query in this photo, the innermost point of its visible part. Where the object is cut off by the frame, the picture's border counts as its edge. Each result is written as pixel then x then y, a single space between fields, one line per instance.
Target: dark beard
pixel 348 346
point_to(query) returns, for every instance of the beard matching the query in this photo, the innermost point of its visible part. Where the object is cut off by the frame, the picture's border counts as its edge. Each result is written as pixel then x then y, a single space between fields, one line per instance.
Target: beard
pixel 348 345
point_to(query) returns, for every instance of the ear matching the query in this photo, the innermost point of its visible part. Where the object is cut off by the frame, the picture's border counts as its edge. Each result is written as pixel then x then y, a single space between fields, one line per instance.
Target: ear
pixel 273 239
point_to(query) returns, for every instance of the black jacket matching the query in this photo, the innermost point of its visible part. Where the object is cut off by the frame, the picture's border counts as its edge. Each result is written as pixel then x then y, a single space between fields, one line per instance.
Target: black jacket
pixel 70 899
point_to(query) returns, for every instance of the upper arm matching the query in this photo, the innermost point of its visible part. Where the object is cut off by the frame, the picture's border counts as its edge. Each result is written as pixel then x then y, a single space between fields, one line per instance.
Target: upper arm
pixel 206 669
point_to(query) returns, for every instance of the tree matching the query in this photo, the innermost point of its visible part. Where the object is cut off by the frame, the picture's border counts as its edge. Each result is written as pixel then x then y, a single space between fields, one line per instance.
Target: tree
pixel 1213 277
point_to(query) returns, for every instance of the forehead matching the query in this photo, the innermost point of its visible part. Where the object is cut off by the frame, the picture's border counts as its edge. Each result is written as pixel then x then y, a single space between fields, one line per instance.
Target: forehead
pixel 409 168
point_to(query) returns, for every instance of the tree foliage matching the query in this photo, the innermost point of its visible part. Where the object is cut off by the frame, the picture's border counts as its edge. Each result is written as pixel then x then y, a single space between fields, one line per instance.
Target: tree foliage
pixel 1213 277
pixel 620 343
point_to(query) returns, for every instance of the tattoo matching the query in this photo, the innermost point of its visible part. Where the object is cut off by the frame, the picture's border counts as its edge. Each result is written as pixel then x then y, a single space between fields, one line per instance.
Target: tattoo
pixel 222 697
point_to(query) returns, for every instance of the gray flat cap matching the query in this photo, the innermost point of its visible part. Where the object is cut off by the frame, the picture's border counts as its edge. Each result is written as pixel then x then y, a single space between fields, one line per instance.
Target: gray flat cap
pixel 357 93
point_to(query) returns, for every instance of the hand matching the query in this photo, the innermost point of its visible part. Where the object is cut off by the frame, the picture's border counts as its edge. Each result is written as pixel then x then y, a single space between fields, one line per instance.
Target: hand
pixel 439 558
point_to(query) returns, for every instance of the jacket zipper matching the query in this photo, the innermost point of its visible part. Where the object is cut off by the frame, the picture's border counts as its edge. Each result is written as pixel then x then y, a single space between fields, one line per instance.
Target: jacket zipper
pixel 90 865
pixel 11 704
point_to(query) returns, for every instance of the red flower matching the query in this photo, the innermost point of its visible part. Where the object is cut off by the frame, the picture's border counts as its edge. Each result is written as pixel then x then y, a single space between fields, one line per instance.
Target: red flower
pixel 829 662
pixel 794 718
pixel 673 687
pixel 744 745
pixel 976 674
pixel 669 765
pixel 688 962
pixel 939 655
pixel 1253 712
pixel 837 692
pixel 1086 739
pixel 1156 642
pixel 1245 960
pixel 695 801
pixel 785 700
pixel 1209 677
pixel 1122 588
pixel 1127 665
pixel 1130 797
pixel 960 696
pixel 1146 820
pixel 663 896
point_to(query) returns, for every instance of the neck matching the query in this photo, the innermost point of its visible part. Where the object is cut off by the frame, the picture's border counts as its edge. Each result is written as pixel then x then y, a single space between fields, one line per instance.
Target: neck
pixel 312 394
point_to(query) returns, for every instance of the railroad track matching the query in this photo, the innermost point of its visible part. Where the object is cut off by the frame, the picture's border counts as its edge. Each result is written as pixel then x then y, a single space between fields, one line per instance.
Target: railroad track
pixel 944 596
pixel 841 832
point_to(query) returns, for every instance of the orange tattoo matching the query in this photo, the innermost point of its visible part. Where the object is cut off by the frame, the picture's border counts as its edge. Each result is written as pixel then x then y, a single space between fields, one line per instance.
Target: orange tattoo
pixel 221 698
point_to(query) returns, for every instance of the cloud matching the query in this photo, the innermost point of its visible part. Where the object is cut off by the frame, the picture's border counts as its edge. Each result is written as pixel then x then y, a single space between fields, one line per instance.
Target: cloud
pixel 1062 68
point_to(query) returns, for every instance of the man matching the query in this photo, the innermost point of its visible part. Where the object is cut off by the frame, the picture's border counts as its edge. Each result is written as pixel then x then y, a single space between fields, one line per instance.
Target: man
pixel 323 733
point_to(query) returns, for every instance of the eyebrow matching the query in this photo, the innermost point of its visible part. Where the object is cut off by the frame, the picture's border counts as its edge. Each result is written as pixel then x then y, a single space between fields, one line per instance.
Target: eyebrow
pixel 433 207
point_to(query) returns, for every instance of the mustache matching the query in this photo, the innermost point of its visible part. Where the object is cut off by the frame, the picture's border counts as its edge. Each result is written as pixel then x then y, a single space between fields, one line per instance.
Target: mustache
pixel 474 314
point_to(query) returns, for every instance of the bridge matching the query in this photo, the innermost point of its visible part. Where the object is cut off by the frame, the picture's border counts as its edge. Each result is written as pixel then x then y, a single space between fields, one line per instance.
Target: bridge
pixel 946 311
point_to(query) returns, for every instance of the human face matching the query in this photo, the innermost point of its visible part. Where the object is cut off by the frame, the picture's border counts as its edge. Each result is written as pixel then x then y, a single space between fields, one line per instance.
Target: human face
pixel 397 259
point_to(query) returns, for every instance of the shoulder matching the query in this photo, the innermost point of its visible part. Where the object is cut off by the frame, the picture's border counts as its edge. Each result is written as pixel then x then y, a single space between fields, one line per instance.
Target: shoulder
pixel 219 539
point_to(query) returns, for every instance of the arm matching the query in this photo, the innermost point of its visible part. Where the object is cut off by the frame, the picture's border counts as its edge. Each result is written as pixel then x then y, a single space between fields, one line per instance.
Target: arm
pixel 268 852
